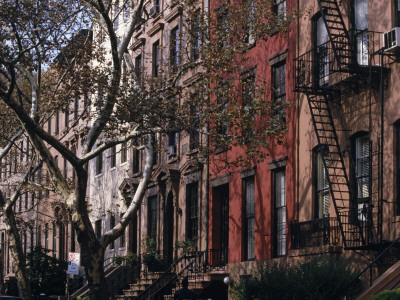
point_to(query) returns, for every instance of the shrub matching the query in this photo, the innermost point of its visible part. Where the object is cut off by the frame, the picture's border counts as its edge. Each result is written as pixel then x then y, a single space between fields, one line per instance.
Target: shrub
pixel 315 279
pixel 386 295
pixel 48 274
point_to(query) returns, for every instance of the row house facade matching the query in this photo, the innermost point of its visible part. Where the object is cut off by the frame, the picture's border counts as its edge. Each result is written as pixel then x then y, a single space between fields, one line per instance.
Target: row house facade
pixel 347 189
pixel 330 185
pixel 40 213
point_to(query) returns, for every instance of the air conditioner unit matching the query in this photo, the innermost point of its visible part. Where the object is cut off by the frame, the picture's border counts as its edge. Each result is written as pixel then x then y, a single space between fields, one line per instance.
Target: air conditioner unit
pixel 391 39
pixel 155 10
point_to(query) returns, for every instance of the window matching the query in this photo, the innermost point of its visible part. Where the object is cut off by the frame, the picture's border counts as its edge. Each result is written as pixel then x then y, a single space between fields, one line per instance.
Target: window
pixel 21 153
pixel 99 164
pixel 124 152
pixel 46 236
pixel 280 7
pixel 49 125
pixel 250 21
pixel 396 13
pixel 76 107
pixel 174 49
pixel 248 97
pixel 65 167
pixel 112 224
pixel 192 192
pixel 222 101
pixel 73 169
pixel 361 159
pixel 61 241
pixel 152 213
pixel 397 166
pixel 279 92
pixel 72 239
pixel 86 101
pixel 66 116
pixel 156 148
pixel 361 27
pixel 116 15
pixel 172 144
pixel 113 157
pixel 279 189
pixel 321 53
pixel 196 36
pixel 97 228
pixel 57 124
pixel 156 59
pixel 54 239
pixel 138 67
pixel 122 237
pixel 249 218
pixel 223 29
pixel 136 165
pixel 194 134
pixel 39 236
pixel 321 185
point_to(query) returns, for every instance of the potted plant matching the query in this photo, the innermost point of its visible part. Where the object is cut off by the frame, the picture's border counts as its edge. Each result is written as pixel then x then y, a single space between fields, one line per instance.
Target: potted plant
pixel 186 245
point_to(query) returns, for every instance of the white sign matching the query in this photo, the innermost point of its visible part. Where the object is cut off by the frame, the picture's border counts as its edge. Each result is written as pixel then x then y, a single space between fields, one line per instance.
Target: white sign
pixel 73 263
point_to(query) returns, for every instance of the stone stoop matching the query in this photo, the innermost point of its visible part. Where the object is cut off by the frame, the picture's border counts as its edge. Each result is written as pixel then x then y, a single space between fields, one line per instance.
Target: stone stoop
pixel 383 282
pixel 135 289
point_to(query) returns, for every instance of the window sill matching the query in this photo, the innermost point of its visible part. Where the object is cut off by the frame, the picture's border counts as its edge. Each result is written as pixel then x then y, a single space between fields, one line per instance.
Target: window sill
pixel 98 175
pixel 137 174
pixel 220 150
pixel 193 151
pixel 113 169
pixel 249 47
pixel 121 249
pixel 172 159
pixel 124 163
pixel 111 250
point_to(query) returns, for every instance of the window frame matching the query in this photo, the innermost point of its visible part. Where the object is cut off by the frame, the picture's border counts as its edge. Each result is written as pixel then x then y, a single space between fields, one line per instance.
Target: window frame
pixel 152 215
pixel 249 218
pixel 321 210
pixel 113 157
pixel 174 49
pixel 156 59
pixel 279 91
pixel 280 240
pixel 192 211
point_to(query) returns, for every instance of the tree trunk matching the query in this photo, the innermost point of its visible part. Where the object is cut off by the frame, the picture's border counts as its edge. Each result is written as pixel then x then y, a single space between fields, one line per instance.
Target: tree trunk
pixel 17 254
pixel 93 263
pixel 92 255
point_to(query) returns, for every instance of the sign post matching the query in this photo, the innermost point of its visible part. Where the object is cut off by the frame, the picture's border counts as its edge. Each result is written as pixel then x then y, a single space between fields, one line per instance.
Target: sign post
pixel 73 267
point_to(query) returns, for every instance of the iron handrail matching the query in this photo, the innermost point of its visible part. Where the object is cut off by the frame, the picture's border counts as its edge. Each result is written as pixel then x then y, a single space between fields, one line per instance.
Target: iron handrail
pixel 168 271
pixel 123 279
pixel 373 262
pixel 198 255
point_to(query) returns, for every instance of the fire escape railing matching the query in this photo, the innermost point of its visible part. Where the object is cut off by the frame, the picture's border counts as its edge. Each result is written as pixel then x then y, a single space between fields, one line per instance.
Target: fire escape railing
pixel 315 233
pixel 314 70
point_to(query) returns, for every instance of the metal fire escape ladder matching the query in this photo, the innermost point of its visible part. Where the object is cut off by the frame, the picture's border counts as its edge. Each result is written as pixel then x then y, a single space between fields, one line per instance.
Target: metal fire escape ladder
pixel 338 34
pixel 334 165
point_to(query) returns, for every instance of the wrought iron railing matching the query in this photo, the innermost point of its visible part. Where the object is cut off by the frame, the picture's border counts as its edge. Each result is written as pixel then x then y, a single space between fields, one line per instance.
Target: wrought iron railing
pixel 381 263
pixel 315 233
pixel 314 69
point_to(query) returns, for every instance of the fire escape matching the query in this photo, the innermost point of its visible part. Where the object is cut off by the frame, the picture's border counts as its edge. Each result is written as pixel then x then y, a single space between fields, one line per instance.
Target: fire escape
pixel 326 75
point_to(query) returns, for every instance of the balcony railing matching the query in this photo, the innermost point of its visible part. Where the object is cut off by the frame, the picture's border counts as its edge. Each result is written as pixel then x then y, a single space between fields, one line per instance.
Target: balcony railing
pixel 314 69
pixel 315 233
